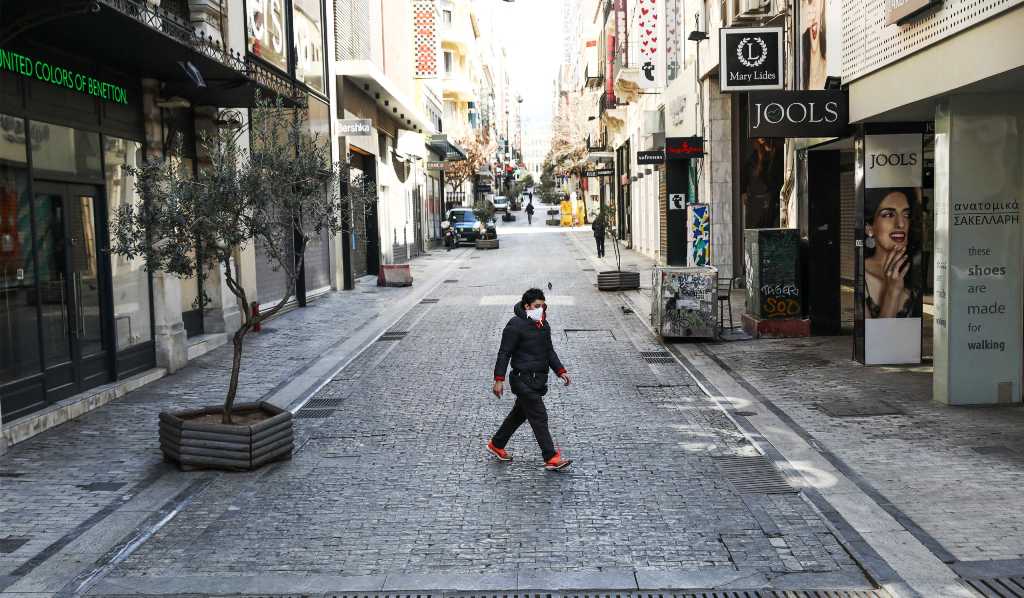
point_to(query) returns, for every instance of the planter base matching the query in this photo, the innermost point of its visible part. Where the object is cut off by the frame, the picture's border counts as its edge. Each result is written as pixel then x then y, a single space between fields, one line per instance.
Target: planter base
pixel 617 280
pixel 193 443
pixel 780 328
pixel 487 244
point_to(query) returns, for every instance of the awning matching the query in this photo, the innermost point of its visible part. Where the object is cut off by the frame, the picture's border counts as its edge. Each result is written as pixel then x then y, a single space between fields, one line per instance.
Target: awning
pixel 164 47
pixel 386 93
pixel 442 146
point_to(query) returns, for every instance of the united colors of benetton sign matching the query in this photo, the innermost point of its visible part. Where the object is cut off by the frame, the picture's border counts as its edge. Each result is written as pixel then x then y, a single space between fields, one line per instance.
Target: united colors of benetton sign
pixel 751 58
pixel 61 77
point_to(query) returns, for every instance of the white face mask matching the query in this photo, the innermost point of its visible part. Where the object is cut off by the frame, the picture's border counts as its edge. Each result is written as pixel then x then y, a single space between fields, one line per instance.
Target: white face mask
pixel 535 314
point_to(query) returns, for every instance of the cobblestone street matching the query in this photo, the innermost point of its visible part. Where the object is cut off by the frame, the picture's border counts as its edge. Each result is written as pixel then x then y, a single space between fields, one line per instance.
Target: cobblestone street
pixel 390 486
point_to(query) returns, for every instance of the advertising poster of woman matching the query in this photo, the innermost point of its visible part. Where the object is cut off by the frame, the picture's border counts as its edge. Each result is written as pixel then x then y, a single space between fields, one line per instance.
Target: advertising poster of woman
pixel 821 42
pixel 892 253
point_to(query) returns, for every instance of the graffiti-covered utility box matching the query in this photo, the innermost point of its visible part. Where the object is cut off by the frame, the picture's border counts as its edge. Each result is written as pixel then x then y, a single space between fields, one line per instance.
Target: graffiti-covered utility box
pixel 685 303
pixel 772 260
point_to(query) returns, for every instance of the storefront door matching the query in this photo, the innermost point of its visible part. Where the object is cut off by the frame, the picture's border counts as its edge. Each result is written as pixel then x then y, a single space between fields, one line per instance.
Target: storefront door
pixel 70 288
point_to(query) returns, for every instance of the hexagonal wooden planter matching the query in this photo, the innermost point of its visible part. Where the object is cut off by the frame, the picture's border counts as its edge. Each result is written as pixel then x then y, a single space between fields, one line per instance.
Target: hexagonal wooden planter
pixel 267 436
pixel 617 280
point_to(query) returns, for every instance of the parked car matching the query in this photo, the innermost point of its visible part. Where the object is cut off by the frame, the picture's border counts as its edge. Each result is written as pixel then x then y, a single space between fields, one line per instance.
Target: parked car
pixel 464 221
pixel 500 203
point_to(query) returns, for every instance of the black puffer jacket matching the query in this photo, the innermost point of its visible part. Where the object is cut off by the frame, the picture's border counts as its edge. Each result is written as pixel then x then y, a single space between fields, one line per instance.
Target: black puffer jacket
pixel 528 345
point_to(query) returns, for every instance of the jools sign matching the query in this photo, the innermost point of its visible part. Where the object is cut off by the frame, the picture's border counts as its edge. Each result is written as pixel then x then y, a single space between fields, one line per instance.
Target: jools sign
pixel 751 58
pixel 798 113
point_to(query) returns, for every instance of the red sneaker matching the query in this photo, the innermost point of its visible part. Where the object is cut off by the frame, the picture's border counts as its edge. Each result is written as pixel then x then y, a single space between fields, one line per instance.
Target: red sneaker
pixel 500 453
pixel 557 462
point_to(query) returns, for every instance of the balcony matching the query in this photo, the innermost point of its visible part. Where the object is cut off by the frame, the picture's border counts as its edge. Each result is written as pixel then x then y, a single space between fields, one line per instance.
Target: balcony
pixel 155 42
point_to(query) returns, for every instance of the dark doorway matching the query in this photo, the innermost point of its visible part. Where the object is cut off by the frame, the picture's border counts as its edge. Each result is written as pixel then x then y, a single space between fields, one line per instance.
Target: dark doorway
pixel 824 296
pixel 677 182
pixel 371 222
pixel 70 286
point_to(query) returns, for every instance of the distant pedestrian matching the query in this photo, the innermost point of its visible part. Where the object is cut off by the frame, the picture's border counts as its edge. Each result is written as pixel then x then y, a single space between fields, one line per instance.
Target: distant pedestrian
pixel 529 213
pixel 526 342
pixel 599 227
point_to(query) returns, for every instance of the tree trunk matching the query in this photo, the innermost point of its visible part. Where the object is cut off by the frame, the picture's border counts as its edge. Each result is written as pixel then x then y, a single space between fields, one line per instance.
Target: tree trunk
pixel 236 366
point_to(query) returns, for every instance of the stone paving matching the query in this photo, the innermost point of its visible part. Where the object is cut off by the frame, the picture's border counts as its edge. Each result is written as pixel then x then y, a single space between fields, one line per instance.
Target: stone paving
pixel 47 483
pixel 955 471
pixel 395 480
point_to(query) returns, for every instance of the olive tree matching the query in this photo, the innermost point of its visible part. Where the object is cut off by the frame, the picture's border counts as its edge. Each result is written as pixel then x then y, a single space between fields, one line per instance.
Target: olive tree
pixel 281 191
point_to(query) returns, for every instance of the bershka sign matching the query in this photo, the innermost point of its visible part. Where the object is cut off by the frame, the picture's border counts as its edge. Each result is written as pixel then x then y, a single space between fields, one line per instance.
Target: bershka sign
pixel 892 160
pixel 647 158
pixel 355 127
pixel 798 113
pixel 751 58
pixel 681 148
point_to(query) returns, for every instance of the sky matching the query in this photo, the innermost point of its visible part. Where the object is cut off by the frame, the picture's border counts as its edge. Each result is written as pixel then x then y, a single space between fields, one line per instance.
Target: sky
pixel 531 31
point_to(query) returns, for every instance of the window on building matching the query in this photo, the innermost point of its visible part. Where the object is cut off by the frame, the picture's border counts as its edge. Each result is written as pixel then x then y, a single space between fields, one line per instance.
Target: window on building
pixel 446 17
pixel 449 62
pixel 384 148
pixel 307 20
pixel 267 27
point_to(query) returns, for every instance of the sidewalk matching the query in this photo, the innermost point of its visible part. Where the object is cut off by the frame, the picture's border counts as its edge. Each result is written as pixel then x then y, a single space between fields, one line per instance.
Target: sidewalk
pixel 944 481
pixel 106 466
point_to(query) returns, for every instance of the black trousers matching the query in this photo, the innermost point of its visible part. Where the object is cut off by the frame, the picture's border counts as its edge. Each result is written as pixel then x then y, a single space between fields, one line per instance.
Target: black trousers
pixel 529 406
pixel 600 245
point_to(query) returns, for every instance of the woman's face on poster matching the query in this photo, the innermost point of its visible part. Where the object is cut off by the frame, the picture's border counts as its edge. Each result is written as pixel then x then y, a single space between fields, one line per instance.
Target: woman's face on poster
pixel 812 17
pixel 891 224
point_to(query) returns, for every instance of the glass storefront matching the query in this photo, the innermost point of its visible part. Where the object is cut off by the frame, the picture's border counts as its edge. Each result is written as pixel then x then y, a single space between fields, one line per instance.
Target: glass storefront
pixel 309 42
pixel 59 328
pixel 132 315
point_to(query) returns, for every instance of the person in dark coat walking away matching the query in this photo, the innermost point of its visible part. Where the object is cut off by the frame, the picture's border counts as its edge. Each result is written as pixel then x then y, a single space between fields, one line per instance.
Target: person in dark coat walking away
pixel 529 213
pixel 526 342
pixel 598 227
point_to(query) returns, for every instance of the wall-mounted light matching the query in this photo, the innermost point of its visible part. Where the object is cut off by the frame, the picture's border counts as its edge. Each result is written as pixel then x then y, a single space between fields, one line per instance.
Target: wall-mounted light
pixel 697 35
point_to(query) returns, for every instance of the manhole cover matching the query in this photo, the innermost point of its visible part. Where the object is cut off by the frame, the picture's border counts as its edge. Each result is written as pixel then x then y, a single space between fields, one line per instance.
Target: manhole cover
pixel 9 545
pixel 858 408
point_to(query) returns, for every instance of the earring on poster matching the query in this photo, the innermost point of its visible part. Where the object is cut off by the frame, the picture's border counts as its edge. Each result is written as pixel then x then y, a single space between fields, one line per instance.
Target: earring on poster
pixel 869 242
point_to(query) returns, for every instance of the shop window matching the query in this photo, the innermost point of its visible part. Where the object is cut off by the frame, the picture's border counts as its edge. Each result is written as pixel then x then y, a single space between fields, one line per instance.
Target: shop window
pixel 307 18
pixel 65 150
pixel 267 31
pixel 19 334
pixel 132 321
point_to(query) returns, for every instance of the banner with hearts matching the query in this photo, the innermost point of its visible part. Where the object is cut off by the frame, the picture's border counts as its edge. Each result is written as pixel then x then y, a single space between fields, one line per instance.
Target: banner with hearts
pixel 649 29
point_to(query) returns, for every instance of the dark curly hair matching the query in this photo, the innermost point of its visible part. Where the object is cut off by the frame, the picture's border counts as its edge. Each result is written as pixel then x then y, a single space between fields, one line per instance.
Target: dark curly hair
pixel 532 295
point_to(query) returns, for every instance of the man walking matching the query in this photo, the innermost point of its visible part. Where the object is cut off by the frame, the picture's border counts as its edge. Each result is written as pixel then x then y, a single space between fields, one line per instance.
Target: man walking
pixel 526 342
pixel 598 226
pixel 529 213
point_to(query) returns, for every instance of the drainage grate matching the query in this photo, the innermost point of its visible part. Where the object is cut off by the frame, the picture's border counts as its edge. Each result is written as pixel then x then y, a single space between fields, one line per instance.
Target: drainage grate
pixel 10 474
pixel 392 336
pixel 644 594
pixel 102 486
pixel 998 587
pixel 9 545
pixel 464 267
pixel 322 404
pixel 753 475
pixel 451 281
pixel 313 413
pixel 429 301
pixel 657 356
pixel 588 269
pixel 992 450
pixel 858 408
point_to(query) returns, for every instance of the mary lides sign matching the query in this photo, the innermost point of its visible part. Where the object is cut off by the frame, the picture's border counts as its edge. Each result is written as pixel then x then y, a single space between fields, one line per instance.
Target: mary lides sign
pixel 798 113
pixel 751 58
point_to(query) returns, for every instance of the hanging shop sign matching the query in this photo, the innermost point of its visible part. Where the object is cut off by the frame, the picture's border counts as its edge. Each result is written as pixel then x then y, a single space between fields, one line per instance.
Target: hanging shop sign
pixel 649 157
pixel 891 201
pixel 61 77
pixel 355 127
pixel 680 148
pixel 609 171
pixel 798 113
pixel 751 58
pixel 898 12
pixel 435 165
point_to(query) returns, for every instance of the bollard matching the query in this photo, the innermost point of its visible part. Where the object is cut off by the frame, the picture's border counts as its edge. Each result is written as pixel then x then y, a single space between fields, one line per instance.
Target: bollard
pixel 255 312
